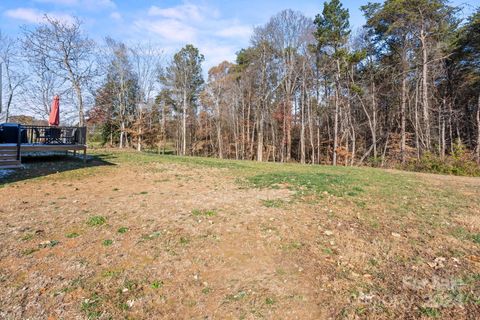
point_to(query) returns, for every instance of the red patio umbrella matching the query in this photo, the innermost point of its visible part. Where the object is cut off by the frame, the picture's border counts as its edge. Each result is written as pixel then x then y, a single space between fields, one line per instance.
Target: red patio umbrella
pixel 54 119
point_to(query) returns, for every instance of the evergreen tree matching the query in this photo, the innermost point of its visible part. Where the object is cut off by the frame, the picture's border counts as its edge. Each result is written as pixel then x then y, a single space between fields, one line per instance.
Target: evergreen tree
pixel 333 29
pixel 183 77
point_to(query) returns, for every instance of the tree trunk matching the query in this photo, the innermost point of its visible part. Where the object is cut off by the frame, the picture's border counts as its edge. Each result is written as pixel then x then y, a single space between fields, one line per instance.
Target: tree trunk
pixel 478 130
pixel 260 138
pixel 417 122
pixel 248 140
pixel 122 134
pixel 9 103
pixel 374 124
pixel 385 151
pixel 318 143
pixel 337 108
pixel 220 142
pixel 274 159
pixel 139 140
pixel 302 129
pixel 443 142
pixel 164 130
pixel 354 145
pixel 184 123
pixel 243 123
pixel 450 125
pixel 426 110
pixel 139 131
pixel 311 131
pixel 441 129
pixel 289 128
pixel 284 131
pixel 403 116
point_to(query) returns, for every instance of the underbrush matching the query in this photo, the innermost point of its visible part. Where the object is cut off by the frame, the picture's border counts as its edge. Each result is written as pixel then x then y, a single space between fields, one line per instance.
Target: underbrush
pixel 460 163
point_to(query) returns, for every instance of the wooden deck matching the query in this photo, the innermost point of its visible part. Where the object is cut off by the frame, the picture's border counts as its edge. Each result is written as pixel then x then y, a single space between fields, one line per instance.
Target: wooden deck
pixel 9 157
pixel 51 147
pixel 32 139
pixel 34 147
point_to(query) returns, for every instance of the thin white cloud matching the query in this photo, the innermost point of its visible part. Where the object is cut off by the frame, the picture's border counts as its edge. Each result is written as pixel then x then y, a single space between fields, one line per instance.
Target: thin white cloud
pixel 30 15
pixel 86 4
pixel 170 30
pixel 215 53
pixel 24 14
pixel 59 2
pixel 217 38
pixel 177 24
pixel 235 31
pixel 98 4
pixel 116 15
pixel 184 12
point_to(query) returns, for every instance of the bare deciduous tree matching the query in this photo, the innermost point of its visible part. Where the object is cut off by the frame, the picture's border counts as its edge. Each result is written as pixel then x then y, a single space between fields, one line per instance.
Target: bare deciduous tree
pixel 62 49
pixel 13 75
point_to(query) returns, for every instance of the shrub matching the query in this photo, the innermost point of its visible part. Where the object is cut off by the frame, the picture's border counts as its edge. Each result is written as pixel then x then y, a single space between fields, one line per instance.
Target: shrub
pixel 459 163
pixel 374 162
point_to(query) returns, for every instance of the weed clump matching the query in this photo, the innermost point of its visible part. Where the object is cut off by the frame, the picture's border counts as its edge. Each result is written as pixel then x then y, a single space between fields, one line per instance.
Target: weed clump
pixel 275 203
pixel 157 284
pixel 96 221
pixel 28 252
pixel 204 213
pixel 72 235
pixel 91 307
pixel 122 230
pixel 48 244
pixel 107 242
pixel 152 235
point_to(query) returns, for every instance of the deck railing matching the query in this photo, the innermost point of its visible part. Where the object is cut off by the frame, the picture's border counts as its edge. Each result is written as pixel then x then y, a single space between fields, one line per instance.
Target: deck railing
pixel 31 134
pixel 19 143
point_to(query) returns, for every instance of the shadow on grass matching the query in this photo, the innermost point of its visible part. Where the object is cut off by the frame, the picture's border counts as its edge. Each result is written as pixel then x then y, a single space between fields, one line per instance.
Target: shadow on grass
pixel 161 152
pixel 39 166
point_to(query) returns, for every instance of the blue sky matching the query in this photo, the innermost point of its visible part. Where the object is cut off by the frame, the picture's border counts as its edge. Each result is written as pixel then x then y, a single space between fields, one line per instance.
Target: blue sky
pixel 218 28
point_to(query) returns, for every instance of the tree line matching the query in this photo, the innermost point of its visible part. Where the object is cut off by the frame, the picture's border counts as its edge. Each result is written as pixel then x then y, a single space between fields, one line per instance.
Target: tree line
pixel 404 87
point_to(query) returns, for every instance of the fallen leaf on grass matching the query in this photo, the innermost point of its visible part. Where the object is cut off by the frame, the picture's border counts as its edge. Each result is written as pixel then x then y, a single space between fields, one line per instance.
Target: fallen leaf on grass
pixel 473 258
pixel 368 276
pixel 50 243
pixel 329 259
pixel 438 263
